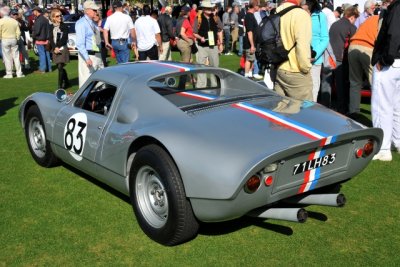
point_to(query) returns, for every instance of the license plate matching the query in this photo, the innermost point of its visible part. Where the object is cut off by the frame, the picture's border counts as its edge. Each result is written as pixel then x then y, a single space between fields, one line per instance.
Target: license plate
pixel 314 163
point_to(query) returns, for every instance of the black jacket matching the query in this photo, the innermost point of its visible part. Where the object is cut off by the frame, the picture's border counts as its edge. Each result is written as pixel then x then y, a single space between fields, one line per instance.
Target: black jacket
pixel 165 22
pixel 205 26
pixel 40 29
pixel 62 37
pixel 387 45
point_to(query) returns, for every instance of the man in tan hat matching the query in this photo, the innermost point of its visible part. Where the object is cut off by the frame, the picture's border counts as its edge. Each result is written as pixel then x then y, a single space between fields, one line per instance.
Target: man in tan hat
pixel 88 43
pixel 209 36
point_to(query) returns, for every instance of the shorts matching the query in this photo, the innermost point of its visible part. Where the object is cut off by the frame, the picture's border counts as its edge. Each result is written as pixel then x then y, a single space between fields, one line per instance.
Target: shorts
pixel 250 57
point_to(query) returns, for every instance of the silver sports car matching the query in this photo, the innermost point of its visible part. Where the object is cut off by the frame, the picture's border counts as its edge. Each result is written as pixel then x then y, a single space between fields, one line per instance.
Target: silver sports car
pixel 191 143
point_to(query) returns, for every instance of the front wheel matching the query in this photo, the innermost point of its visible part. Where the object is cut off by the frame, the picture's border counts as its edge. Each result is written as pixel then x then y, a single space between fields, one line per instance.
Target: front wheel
pixel 158 198
pixel 36 137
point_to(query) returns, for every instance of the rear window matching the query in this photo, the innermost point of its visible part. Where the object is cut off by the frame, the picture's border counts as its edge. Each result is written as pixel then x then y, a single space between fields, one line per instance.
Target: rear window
pixel 186 88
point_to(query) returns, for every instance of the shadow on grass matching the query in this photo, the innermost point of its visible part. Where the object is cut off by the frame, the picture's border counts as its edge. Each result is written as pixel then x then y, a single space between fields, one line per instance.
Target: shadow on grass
pixel 98 183
pixel 210 229
pixel 6 104
pixel 361 118
pixel 222 228
pixel 317 216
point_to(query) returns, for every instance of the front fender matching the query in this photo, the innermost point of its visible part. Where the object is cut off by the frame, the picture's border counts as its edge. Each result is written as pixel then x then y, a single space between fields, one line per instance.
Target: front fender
pixel 48 106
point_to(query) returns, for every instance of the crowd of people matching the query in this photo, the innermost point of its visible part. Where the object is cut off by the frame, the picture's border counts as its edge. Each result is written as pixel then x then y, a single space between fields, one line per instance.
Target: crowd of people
pixel 333 53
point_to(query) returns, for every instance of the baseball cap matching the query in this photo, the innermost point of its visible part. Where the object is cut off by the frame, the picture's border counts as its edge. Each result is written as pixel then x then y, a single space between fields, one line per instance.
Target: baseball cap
pixel 37 9
pixel 185 9
pixel 117 4
pixel 90 5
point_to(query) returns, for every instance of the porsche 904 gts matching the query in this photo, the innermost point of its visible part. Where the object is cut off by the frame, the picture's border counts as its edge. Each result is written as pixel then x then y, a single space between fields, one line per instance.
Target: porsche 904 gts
pixel 190 144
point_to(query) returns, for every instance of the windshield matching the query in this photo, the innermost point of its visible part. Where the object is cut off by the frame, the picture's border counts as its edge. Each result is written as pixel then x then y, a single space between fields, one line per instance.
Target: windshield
pixel 71 27
pixel 193 88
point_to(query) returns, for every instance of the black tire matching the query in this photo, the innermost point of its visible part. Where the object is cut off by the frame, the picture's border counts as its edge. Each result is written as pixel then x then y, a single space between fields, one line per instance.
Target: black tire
pixel 158 198
pixel 35 134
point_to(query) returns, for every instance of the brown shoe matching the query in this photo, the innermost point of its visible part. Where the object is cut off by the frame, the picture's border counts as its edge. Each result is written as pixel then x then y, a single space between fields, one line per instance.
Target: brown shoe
pixel 39 72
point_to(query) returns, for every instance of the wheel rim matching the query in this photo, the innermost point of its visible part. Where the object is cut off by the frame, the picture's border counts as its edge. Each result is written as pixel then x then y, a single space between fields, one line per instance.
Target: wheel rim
pixel 151 197
pixel 37 137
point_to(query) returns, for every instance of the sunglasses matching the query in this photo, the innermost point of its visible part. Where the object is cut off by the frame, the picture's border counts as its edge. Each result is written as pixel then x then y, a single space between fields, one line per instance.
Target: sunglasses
pixel 57 16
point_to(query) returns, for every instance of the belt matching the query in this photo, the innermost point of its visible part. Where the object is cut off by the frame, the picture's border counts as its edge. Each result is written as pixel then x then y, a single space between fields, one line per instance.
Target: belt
pixel 120 39
pixel 92 53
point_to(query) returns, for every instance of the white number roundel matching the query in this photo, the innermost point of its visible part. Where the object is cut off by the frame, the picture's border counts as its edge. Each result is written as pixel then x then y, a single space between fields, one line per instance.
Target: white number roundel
pixel 75 135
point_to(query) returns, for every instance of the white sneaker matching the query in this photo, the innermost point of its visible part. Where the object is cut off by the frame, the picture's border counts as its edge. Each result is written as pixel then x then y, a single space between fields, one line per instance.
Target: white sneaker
pixel 20 76
pixel 383 155
pixel 258 76
pixel 8 76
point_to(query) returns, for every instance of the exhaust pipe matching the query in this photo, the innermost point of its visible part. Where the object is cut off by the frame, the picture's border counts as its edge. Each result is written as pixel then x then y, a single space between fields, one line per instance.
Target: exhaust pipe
pixel 288 214
pixel 333 200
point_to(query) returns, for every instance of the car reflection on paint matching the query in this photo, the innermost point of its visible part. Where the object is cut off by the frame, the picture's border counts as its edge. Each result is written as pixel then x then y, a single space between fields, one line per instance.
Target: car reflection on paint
pixel 73 50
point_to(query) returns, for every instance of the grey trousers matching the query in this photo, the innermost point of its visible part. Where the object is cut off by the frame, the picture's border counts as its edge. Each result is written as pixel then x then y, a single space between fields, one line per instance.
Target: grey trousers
pixel 359 66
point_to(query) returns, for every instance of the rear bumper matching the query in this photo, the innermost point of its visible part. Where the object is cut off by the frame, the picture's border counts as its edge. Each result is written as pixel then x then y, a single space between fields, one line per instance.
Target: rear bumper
pixel 287 184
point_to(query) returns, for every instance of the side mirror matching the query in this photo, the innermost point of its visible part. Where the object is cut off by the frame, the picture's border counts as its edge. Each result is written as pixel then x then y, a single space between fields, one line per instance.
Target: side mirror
pixel 61 95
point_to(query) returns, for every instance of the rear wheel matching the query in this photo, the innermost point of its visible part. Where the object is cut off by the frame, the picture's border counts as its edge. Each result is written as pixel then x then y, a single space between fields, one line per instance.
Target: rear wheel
pixel 158 198
pixel 36 137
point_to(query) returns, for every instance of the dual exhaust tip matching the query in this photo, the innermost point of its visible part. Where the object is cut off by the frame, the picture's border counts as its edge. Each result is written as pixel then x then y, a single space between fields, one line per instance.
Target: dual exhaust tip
pixel 300 214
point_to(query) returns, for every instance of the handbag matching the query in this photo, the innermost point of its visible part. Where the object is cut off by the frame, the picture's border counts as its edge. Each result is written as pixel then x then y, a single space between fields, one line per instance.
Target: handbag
pixel 47 46
pixel 62 57
pixel 194 48
pixel 329 58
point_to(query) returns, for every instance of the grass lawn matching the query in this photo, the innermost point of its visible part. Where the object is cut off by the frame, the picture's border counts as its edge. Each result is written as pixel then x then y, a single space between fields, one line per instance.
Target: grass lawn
pixel 60 217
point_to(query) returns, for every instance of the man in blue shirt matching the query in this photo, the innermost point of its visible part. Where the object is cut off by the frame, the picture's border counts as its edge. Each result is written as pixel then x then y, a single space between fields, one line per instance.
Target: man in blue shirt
pixel 88 43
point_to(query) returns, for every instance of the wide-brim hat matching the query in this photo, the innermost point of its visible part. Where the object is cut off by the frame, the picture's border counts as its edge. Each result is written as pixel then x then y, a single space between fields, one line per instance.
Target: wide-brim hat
pixel 90 5
pixel 207 4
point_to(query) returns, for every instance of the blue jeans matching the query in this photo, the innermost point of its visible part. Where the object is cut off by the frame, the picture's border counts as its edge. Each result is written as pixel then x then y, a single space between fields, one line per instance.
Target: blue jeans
pixel 256 69
pixel 44 58
pixel 121 51
pixel 240 45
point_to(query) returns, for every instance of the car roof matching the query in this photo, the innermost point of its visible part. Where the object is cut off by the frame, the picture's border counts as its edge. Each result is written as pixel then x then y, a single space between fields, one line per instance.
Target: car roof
pixel 147 70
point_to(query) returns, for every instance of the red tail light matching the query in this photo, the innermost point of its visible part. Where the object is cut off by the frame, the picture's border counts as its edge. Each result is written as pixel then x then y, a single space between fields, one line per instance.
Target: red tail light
pixel 252 184
pixel 269 180
pixel 368 148
pixel 359 152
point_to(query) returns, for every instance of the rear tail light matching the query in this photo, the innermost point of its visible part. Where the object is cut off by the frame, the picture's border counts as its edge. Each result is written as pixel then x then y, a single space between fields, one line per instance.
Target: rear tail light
pixel 368 148
pixel 252 184
pixel 268 180
pixel 359 153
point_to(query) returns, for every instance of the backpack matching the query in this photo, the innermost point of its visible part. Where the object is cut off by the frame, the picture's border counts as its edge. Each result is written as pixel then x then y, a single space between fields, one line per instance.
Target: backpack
pixel 270 49
pixel 178 26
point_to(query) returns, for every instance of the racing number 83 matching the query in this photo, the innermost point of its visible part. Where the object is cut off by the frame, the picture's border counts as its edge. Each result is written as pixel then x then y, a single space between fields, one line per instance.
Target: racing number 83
pixel 72 141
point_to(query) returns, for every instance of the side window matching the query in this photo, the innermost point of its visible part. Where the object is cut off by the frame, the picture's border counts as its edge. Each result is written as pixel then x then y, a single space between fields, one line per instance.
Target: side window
pixel 97 97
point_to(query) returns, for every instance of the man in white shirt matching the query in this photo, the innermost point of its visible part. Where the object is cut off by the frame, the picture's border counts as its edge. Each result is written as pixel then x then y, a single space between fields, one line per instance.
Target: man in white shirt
pixel 148 36
pixel 121 27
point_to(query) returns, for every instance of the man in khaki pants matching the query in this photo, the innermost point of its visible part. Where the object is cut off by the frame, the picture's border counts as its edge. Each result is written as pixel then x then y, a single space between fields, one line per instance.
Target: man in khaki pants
pixel 293 77
pixel 9 34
